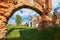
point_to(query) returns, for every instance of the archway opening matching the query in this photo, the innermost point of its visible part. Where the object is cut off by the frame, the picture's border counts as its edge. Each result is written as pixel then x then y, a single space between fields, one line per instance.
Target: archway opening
pixel 26 15
pixel 33 9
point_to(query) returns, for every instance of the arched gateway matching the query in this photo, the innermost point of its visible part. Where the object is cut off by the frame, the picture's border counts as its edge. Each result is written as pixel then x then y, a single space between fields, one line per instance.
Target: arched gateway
pixel 8 7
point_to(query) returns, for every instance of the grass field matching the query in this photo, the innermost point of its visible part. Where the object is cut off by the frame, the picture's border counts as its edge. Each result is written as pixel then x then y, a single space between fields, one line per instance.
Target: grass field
pixel 25 33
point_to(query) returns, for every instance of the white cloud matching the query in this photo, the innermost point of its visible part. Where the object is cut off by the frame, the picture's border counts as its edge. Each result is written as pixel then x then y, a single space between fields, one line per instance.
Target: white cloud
pixel 12 22
pixel 55 4
pixel 58 0
pixel 26 12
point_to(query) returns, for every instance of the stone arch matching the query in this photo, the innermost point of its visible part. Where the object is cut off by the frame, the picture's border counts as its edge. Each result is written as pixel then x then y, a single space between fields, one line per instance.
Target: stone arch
pixel 8 7
pixel 25 6
pixel 6 16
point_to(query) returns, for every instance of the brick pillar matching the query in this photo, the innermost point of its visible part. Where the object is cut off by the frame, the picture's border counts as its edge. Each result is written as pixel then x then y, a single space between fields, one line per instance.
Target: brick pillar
pixel 3 20
pixel 41 22
pixel 44 22
pixel 3 30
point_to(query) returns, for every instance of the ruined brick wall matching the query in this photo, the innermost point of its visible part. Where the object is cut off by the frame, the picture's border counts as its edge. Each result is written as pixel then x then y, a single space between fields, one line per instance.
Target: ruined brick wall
pixel 46 19
pixel 7 7
pixel 56 18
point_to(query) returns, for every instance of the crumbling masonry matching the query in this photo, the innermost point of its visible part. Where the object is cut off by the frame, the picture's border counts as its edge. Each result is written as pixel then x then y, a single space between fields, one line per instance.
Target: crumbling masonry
pixel 8 7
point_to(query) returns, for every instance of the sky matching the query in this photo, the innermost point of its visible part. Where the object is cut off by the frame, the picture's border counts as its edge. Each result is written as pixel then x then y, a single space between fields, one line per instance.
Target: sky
pixel 25 13
pixel 55 5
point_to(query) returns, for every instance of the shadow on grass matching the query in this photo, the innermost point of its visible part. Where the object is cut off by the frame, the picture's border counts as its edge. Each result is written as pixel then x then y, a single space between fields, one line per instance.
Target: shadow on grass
pixel 9 31
pixel 33 34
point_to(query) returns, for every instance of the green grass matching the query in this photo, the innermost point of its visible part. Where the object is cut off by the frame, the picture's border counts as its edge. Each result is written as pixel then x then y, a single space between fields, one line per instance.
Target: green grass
pixel 25 33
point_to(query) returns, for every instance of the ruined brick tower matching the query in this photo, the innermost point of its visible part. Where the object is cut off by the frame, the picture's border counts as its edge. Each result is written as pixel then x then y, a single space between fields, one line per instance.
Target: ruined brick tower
pixel 56 18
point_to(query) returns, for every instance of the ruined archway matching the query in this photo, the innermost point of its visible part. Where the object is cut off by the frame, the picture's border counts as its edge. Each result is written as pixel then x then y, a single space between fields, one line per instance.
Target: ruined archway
pixel 29 7
pixel 7 15
pixel 8 7
pixel 27 15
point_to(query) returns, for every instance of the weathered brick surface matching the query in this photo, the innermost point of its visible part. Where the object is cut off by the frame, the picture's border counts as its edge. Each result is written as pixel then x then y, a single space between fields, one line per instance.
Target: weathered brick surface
pixel 56 18
pixel 45 22
pixel 8 7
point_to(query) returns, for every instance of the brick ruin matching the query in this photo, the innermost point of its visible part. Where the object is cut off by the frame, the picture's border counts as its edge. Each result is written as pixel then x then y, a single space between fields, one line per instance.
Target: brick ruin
pixel 8 7
pixel 56 18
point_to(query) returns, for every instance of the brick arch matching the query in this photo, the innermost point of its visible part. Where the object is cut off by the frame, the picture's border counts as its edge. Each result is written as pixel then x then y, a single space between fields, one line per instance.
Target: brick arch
pixel 25 6
pixel 29 7
pixel 6 14
pixel 8 7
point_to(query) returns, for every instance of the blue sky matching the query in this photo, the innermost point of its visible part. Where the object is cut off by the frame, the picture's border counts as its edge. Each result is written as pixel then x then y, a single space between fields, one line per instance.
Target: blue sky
pixel 25 13
pixel 55 5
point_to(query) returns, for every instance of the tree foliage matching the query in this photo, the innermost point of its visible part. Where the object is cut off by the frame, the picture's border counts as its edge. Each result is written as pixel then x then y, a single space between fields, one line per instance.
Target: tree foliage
pixel 18 19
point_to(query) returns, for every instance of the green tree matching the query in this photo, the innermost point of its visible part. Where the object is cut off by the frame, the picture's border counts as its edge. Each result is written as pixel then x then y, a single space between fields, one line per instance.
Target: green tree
pixel 18 19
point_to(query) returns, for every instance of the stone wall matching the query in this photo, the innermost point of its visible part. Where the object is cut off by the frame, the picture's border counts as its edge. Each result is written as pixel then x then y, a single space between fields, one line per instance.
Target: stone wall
pixel 56 18
pixel 8 7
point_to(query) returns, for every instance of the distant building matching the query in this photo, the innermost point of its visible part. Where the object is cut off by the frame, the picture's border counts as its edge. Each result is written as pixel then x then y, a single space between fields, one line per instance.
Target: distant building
pixel 22 22
pixel 33 22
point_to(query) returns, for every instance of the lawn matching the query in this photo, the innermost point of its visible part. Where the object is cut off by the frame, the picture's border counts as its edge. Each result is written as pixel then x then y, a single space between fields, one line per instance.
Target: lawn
pixel 26 33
